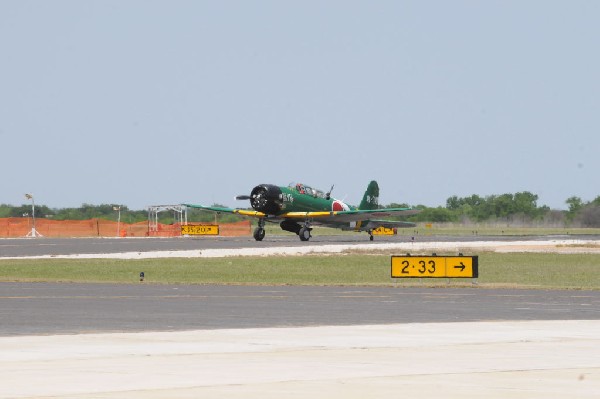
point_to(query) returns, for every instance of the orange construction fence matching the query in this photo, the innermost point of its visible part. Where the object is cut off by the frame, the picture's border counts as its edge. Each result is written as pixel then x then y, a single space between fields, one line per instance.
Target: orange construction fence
pixel 20 227
pixel 236 229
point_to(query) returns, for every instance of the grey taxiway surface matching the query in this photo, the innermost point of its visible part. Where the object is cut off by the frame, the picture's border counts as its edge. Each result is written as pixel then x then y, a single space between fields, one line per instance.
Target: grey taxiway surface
pixel 48 308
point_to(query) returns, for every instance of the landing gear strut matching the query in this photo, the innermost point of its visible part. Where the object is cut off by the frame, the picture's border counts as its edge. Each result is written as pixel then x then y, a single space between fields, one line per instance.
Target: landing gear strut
pixel 371 235
pixel 259 232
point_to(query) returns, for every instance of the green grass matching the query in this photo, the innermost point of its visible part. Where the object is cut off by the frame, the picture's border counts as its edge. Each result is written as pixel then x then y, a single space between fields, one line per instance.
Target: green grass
pixel 573 271
pixel 540 270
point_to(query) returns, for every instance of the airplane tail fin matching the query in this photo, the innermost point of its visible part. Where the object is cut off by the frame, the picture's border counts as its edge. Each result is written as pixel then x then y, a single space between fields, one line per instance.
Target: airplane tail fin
pixel 371 198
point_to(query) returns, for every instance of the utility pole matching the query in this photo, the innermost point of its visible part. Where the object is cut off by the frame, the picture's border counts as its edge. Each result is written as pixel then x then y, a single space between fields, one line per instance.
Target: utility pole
pixel 33 233
pixel 118 208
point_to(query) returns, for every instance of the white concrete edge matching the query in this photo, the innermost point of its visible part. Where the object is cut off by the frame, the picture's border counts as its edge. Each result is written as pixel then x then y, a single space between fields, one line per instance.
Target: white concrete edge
pixel 553 246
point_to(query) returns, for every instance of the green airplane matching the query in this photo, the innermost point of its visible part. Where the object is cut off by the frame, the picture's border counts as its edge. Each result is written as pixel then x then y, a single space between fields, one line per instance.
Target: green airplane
pixel 298 207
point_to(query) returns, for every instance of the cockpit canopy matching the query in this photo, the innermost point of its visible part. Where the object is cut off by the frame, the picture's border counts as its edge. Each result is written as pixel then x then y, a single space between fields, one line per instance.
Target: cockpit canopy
pixel 304 189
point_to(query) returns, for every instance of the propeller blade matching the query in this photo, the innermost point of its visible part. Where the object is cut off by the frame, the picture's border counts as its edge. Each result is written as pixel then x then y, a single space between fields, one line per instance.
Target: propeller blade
pixel 242 197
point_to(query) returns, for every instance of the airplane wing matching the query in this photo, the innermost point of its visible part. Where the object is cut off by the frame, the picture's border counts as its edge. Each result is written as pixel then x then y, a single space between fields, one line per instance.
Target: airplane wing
pixel 336 216
pixel 361 218
pixel 326 217
pixel 351 216
pixel 243 212
pixel 389 224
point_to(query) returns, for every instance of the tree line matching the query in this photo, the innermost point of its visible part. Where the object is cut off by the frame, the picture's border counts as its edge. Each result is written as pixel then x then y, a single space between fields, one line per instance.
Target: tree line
pixel 518 208
pixel 109 212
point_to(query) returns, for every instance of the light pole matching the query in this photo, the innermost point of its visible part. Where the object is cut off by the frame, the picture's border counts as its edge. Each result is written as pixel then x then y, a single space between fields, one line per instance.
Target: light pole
pixel 118 208
pixel 33 233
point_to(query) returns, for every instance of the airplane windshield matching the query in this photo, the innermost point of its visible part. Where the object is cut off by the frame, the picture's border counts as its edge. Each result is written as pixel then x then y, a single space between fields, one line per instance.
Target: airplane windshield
pixel 304 189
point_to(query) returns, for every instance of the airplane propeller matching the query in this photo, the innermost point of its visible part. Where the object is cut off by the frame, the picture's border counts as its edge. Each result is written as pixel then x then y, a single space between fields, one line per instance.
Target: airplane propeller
pixel 258 197
pixel 264 198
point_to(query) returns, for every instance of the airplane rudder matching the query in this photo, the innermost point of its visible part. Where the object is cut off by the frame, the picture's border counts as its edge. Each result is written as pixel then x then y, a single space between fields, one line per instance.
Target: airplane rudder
pixel 371 197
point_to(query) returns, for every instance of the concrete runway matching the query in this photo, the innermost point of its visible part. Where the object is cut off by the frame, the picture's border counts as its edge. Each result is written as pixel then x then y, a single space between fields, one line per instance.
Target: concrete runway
pixel 147 341
pixel 18 247
pixel 531 359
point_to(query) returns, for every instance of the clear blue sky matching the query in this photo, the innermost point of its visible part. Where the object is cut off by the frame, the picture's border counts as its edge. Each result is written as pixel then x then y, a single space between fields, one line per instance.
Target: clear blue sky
pixel 162 102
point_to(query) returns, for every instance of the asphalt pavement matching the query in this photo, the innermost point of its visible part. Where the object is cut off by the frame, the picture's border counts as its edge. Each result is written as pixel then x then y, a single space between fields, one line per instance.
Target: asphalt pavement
pixel 54 308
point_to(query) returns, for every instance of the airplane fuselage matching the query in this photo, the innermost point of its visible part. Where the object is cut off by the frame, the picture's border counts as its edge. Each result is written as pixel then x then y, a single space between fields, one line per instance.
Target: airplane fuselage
pixel 309 200
pixel 278 200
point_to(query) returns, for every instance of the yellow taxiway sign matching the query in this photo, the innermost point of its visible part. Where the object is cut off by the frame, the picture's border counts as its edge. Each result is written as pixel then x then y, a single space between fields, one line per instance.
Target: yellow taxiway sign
pixel 200 230
pixel 435 266
pixel 384 231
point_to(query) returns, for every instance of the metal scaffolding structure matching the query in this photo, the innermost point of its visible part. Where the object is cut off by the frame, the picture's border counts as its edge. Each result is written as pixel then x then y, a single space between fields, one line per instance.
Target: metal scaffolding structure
pixel 180 215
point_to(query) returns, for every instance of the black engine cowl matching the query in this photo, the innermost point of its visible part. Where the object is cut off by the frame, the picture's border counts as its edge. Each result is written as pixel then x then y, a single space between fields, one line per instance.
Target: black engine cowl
pixel 266 198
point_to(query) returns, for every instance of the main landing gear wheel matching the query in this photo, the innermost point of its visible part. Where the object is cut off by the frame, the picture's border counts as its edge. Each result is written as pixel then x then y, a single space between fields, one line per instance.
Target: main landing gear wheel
pixel 259 234
pixel 371 235
pixel 304 234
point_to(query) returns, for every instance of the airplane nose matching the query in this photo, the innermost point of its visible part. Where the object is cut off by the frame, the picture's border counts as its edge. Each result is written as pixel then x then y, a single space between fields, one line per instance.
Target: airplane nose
pixel 266 198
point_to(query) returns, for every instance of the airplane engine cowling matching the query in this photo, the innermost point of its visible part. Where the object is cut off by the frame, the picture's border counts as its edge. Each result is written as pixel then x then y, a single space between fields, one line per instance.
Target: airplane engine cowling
pixel 266 198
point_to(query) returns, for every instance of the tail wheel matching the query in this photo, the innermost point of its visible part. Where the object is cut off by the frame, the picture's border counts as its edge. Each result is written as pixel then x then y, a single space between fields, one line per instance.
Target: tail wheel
pixel 304 234
pixel 259 234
